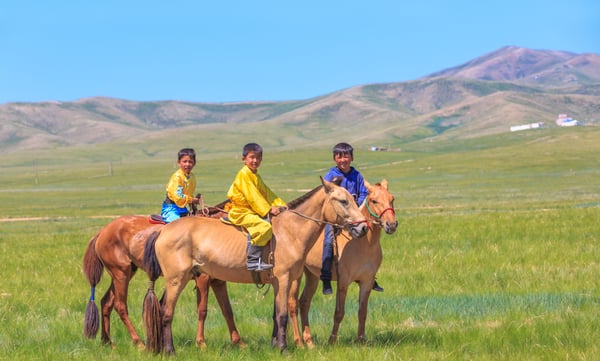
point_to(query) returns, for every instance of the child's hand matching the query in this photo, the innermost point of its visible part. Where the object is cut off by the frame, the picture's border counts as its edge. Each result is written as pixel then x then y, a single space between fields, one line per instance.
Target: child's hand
pixel 276 210
pixel 196 200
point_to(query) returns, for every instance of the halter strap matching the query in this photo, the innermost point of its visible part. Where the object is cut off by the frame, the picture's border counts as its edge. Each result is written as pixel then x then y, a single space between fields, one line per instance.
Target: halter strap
pixel 382 212
pixel 325 222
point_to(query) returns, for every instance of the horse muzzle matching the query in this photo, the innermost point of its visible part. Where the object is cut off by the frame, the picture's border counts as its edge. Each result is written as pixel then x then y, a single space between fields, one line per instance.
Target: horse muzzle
pixel 390 227
pixel 358 229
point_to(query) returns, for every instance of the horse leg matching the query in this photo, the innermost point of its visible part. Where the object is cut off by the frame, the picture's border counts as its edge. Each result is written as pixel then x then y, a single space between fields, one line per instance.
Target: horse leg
pixel 363 303
pixel 106 305
pixel 220 289
pixel 340 304
pixel 202 307
pixel 121 285
pixel 281 288
pixel 311 283
pixel 174 285
pixel 275 326
pixel 293 311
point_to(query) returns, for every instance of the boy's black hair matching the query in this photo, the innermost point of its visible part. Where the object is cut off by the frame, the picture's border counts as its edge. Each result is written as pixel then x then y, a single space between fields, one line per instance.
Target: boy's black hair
pixel 251 147
pixel 343 148
pixel 187 151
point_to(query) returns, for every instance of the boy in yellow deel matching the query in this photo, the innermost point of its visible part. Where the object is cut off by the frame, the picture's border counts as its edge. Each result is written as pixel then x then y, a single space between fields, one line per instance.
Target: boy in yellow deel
pixel 180 187
pixel 251 204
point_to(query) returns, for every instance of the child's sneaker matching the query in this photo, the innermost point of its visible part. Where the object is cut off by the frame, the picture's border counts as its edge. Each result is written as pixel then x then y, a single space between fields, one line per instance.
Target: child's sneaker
pixel 376 287
pixel 327 287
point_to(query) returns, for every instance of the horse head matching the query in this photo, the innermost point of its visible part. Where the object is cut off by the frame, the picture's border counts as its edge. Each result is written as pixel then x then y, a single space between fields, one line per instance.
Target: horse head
pixel 342 209
pixel 380 204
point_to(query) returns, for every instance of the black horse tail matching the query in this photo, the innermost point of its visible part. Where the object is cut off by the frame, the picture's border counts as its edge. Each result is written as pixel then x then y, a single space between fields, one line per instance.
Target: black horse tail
pixel 92 268
pixel 151 311
pixel 150 260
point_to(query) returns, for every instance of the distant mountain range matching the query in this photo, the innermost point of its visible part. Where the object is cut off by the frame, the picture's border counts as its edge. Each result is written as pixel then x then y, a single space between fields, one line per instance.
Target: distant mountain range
pixel 486 95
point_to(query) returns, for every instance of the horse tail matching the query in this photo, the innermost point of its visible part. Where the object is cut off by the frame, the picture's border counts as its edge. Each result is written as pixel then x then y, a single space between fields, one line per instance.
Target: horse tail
pixel 151 310
pixel 150 260
pixel 92 267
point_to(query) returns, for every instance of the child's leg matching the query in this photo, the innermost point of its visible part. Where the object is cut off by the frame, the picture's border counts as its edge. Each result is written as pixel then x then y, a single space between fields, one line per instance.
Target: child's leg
pixel 327 259
pixel 169 213
pixel 260 234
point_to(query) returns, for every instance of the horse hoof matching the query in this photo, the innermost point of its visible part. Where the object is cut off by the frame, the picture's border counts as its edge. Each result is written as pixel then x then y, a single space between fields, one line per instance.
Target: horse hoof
pixel 361 340
pixel 240 344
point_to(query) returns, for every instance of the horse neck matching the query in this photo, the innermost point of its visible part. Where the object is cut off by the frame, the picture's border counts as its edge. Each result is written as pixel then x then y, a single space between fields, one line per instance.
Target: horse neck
pixel 374 231
pixel 305 226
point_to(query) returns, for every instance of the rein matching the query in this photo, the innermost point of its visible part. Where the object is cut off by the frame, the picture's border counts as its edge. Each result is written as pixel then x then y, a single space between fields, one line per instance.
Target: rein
pixel 203 209
pixel 324 222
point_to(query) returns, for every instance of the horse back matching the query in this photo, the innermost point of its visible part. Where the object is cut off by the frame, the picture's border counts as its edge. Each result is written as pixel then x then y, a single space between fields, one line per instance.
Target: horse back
pixel 206 245
pixel 115 244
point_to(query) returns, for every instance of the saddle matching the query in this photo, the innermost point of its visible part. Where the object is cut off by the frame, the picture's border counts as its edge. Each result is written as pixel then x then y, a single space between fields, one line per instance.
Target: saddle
pixel 156 219
pixel 218 211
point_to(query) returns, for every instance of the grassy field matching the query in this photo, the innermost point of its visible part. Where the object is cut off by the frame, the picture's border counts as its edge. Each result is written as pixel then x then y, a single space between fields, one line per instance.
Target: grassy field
pixel 496 256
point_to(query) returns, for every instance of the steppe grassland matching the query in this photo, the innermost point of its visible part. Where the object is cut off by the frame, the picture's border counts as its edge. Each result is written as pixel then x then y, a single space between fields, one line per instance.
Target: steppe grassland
pixel 496 256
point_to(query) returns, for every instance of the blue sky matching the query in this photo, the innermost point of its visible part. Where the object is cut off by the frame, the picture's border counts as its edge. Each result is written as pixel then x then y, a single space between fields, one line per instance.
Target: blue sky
pixel 222 51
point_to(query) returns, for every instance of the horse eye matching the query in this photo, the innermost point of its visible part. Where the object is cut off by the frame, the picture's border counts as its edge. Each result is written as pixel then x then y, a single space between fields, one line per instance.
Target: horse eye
pixel 344 202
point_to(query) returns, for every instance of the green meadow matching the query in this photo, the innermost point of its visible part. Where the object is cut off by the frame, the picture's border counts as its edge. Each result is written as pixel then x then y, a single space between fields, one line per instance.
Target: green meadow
pixel 496 256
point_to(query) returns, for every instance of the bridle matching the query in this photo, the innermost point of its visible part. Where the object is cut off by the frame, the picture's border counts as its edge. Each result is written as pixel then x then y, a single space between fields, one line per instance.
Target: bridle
pixel 378 216
pixel 334 225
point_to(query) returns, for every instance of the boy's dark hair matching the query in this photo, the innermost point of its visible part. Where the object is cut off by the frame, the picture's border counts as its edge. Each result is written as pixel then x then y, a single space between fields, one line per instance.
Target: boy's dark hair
pixel 187 151
pixel 343 148
pixel 251 147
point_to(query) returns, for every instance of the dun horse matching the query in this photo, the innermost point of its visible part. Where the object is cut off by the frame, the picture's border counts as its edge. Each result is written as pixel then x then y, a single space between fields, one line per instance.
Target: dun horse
pixel 119 247
pixel 194 245
pixel 357 260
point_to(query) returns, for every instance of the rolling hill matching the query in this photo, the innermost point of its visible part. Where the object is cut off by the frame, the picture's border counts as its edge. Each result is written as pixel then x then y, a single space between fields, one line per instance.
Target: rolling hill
pixel 484 96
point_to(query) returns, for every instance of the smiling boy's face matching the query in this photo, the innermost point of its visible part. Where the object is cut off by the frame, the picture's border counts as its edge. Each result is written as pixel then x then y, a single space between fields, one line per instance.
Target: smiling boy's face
pixel 252 160
pixel 343 161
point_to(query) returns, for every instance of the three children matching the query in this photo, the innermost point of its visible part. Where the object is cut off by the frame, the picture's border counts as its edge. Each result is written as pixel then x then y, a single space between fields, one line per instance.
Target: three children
pixel 252 202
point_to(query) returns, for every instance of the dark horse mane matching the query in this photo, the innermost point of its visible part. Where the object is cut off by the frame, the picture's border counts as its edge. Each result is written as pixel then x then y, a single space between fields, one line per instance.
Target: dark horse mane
pixel 298 201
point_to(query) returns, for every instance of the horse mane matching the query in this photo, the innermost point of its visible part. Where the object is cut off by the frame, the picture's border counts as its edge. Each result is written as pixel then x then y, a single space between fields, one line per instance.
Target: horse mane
pixel 222 207
pixel 298 201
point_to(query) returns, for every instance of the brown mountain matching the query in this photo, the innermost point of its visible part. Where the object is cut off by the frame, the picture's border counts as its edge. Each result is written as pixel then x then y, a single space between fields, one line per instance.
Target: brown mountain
pixel 487 95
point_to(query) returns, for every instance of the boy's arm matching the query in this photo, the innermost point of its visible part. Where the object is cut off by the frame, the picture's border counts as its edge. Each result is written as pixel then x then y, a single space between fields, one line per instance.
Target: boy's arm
pixel 175 191
pixel 249 186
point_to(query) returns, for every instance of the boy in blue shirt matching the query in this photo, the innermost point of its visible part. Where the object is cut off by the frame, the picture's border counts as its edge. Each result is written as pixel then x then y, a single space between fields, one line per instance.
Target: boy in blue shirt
pixel 353 181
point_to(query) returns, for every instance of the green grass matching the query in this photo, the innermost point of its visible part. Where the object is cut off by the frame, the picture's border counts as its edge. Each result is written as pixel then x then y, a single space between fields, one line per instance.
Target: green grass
pixel 495 257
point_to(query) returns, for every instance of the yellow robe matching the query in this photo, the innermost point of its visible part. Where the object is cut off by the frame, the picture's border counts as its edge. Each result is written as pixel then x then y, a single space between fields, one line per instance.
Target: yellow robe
pixel 180 188
pixel 251 201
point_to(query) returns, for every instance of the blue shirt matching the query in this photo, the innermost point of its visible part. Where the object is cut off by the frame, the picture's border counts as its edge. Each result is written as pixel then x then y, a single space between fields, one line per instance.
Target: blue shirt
pixel 353 181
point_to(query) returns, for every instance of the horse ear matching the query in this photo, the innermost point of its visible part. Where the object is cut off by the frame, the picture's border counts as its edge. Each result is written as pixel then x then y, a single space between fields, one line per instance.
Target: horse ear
pixel 384 183
pixel 327 185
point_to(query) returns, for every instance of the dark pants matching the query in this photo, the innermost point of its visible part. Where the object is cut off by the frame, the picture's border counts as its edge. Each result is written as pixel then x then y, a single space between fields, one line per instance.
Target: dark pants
pixel 327 260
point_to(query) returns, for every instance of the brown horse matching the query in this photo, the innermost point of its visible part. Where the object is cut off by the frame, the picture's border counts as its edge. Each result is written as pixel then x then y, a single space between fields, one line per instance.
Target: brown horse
pixel 358 260
pixel 119 247
pixel 194 245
